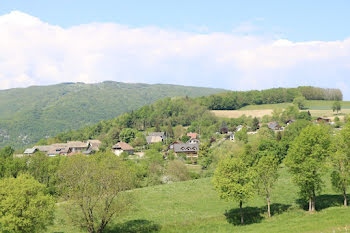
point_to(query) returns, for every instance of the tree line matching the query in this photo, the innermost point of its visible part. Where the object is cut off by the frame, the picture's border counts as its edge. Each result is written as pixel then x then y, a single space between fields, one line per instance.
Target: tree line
pixel 309 152
pixel 233 100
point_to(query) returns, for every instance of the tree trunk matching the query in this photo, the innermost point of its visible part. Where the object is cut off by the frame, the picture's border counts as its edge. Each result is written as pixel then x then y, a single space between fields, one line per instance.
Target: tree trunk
pixel 313 208
pixel 310 203
pixel 268 206
pixel 345 199
pixel 241 210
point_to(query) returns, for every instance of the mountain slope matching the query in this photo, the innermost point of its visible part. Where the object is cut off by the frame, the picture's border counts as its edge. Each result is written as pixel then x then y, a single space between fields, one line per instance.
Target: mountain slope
pixel 29 114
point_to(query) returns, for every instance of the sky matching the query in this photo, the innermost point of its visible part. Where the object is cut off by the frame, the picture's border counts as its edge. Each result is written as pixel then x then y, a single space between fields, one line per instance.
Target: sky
pixel 236 45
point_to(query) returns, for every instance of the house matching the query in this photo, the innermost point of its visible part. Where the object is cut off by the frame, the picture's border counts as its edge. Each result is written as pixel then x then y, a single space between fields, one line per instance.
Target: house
pixel 121 147
pixel 232 137
pixel 30 151
pixel 322 120
pixel 44 149
pixel 192 135
pixel 191 150
pixel 155 137
pixel 273 125
pixel 77 146
pixel 59 149
pixel 193 141
pixel 95 144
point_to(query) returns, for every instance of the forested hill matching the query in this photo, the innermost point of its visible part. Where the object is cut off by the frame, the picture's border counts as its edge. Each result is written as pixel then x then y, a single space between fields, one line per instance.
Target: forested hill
pixel 29 114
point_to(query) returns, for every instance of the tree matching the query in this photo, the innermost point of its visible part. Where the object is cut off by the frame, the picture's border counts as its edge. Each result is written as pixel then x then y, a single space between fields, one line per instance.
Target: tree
pixel 306 160
pixel 95 186
pixel 336 106
pixel 266 173
pixel 299 101
pixel 242 135
pixel 233 179
pixel 340 159
pixel 177 171
pixel 127 135
pixel 179 131
pixel 255 124
pixel 24 205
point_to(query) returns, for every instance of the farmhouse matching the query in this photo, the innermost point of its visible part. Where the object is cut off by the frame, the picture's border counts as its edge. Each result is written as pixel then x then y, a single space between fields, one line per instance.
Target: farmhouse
pixel 76 146
pixel 193 141
pixel 191 150
pixel 69 148
pixel 322 120
pixel 121 147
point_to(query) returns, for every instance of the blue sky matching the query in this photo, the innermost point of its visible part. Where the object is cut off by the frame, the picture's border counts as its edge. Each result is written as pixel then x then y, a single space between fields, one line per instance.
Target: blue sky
pixel 236 45
pixel 297 20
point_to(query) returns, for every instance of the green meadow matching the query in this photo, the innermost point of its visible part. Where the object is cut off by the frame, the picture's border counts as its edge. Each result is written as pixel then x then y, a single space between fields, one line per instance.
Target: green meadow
pixel 194 206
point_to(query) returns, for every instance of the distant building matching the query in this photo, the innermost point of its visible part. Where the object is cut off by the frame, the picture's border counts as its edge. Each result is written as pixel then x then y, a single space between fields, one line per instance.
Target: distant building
pixel 77 146
pixel 30 151
pixel 322 120
pixel 59 149
pixel 273 125
pixel 192 135
pixel 191 150
pixel 95 144
pixel 155 137
pixel 193 141
pixel 121 147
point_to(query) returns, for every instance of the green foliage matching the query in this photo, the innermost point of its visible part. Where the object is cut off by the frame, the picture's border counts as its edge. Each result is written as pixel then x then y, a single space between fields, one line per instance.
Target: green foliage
pixel 340 159
pixel 185 138
pixel 336 106
pixel 299 101
pixel 306 160
pixel 234 181
pixel 127 135
pixel 242 135
pixel 304 116
pixel 235 100
pixel 255 124
pixel 95 185
pixel 24 205
pixel 177 171
pixel 29 114
pixel 267 174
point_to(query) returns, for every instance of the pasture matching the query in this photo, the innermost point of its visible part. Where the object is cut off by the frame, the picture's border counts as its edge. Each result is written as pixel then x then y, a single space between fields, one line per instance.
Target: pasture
pixel 194 206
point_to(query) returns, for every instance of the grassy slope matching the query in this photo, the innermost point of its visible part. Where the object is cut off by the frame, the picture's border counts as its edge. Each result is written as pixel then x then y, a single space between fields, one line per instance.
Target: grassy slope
pixel 194 206
pixel 41 111
pixel 310 104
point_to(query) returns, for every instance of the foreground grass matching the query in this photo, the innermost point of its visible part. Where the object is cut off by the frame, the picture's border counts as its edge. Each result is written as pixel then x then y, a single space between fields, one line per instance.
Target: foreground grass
pixel 194 206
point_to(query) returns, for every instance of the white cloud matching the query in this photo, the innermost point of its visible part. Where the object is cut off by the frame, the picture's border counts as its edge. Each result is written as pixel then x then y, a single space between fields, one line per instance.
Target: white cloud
pixel 34 52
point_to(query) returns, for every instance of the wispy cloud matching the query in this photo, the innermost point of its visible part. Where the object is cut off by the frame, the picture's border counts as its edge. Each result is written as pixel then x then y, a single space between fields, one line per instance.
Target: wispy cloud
pixel 34 52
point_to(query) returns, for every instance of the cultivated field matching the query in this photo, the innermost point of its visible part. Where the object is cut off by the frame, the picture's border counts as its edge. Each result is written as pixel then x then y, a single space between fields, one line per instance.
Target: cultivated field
pixel 194 206
pixel 316 108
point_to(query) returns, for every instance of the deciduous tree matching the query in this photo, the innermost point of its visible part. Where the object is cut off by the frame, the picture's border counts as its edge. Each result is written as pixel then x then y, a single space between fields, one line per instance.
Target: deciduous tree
pixel 306 160
pixel 234 181
pixel 24 205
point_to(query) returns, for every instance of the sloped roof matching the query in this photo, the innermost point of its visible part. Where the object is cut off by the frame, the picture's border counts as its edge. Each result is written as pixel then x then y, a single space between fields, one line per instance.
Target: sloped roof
pixel 30 150
pixel 57 150
pixel 192 135
pixel 43 148
pixel 273 125
pixel 153 139
pixel 122 146
pixel 160 134
pixel 77 144
pixel 185 147
pixel 95 144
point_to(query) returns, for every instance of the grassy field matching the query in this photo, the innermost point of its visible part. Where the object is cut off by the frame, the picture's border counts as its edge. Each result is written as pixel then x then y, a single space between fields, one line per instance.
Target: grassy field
pixel 317 108
pixel 194 206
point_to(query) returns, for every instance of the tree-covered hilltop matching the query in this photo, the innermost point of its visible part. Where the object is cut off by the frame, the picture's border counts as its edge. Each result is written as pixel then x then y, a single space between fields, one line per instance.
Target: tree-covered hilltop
pixel 29 114
pixel 164 115
pixel 233 100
